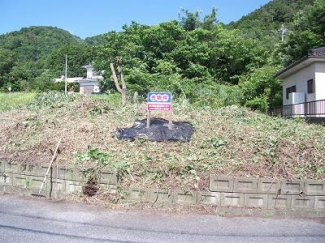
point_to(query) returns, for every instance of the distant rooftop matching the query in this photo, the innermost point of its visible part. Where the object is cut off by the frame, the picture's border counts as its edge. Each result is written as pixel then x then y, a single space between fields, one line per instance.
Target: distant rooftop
pixel 92 76
pixel 317 53
pixel 87 66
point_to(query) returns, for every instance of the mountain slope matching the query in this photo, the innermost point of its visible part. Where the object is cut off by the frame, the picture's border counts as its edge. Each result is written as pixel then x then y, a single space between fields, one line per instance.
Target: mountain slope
pixel 96 40
pixel 35 42
pixel 265 23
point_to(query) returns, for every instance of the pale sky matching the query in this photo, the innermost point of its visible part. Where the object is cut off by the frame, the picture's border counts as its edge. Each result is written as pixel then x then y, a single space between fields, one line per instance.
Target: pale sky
pixel 86 18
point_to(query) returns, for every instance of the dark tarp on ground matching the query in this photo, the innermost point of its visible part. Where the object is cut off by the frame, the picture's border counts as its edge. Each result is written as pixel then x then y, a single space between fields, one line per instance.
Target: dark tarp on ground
pixel 158 131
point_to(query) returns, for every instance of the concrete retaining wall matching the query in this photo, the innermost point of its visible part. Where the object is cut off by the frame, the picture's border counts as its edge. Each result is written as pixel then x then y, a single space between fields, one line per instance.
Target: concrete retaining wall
pixel 223 191
pixel 242 192
pixel 309 195
pixel 16 177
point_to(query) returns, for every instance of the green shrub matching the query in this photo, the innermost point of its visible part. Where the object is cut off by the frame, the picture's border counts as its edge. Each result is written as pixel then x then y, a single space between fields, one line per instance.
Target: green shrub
pixel 52 99
pixel 216 96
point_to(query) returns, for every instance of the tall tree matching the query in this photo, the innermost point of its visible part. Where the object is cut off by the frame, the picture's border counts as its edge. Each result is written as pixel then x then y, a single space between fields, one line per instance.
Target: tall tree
pixel 191 21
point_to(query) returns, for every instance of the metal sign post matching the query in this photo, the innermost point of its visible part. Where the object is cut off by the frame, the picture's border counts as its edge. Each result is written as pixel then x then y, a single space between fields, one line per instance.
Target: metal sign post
pixel 160 101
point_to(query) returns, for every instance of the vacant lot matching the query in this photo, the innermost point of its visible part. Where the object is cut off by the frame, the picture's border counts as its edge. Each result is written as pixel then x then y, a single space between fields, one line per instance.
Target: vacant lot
pixel 230 141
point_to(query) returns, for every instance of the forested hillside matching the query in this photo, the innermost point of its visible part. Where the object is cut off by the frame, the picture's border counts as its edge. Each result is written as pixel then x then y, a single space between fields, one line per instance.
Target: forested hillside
pixel 296 21
pixel 265 23
pixel 31 57
pixel 196 57
pixel 33 43
pixel 96 40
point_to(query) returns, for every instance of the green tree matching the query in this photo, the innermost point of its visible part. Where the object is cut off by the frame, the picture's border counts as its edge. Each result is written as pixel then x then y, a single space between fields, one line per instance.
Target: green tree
pixel 191 21
pixel 231 56
pixel 162 39
pixel 7 62
pixel 192 54
pixel 21 75
pixel 44 82
pixel 78 55
pixel 260 89
pixel 210 20
pixel 307 33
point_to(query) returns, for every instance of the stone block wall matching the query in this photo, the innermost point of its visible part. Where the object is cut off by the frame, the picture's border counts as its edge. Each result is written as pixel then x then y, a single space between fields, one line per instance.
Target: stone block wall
pixel 223 191
pixel 59 182
pixel 266 193
pixel 242 192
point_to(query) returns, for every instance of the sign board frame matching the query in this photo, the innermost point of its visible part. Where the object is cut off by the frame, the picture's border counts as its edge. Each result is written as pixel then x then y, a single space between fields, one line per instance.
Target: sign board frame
pixel 160 101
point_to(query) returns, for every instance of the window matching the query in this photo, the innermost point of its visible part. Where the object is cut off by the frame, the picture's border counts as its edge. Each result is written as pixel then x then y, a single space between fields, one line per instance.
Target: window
pixel 310 86
pixel 290 90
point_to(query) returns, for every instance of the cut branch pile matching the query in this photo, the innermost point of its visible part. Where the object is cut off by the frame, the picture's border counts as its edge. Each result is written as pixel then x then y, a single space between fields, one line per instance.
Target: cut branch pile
pixel 230 141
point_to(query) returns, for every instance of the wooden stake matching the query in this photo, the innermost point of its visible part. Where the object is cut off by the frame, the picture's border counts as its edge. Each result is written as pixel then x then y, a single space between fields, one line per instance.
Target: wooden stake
pixel 170 120
pixel 49 168
pixel 148 119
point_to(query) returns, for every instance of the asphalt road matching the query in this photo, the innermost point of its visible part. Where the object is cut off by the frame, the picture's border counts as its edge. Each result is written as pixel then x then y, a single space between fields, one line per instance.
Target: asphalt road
pixel 38 220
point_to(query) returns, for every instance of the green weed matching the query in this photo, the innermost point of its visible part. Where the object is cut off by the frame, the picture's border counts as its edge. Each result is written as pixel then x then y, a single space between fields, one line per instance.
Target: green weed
pixel 9 101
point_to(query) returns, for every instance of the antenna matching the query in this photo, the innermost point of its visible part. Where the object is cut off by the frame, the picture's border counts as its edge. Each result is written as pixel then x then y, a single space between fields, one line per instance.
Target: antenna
pixel 66 75
pixel 283 32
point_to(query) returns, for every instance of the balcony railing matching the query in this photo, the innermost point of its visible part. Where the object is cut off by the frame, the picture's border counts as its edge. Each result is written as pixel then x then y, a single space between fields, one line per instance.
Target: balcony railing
pixel 306 109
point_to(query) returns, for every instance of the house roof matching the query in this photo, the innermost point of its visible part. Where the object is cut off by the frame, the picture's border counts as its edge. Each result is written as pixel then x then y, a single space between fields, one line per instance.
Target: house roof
pixel 87 66
pixel 317 54
pixel 85 80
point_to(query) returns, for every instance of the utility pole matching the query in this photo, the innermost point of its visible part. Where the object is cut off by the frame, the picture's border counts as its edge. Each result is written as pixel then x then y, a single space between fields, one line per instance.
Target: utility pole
pixel 66 75
pixel 283 32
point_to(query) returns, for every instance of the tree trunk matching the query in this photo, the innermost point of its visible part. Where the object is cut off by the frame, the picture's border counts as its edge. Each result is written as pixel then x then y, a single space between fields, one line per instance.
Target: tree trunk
pixel 120 69
pixel 117 85
pixel 124 97
pixel 120 89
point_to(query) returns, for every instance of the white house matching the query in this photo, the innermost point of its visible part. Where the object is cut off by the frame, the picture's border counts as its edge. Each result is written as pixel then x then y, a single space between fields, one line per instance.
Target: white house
pixel 304 84
pixel 88 85
pixel 69 80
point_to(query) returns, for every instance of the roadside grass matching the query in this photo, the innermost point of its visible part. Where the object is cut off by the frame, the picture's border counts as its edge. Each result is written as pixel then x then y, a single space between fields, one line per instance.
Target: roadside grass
pixel 10 101
pixel 230 141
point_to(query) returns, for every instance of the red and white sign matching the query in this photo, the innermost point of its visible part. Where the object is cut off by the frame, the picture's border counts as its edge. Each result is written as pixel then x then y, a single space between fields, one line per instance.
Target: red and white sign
pixel 159 97
pixel 159 107
pixel 159 101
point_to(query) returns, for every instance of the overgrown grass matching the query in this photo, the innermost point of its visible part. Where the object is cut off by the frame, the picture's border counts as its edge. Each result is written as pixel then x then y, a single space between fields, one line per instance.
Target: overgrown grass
pixel 10 101
pixel 232 141
pixel 112 99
